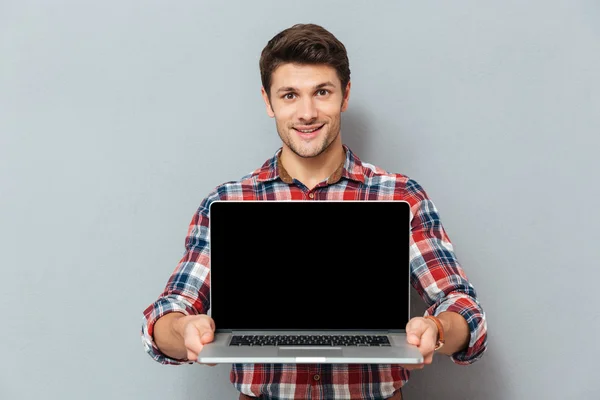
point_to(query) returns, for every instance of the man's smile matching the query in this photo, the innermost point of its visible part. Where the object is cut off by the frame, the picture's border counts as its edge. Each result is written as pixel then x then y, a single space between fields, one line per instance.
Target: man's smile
pixel 308 131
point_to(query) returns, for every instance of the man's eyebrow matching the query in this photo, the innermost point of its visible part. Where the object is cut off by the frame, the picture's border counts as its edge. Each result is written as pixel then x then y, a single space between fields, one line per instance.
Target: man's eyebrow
pixel 325 84
pixel 293 89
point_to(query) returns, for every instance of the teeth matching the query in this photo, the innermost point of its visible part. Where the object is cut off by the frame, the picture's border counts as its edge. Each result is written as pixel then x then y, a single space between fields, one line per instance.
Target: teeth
pixel 308 131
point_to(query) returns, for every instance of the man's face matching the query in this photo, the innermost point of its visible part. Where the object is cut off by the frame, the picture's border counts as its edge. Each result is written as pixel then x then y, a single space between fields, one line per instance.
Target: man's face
pixel 306 102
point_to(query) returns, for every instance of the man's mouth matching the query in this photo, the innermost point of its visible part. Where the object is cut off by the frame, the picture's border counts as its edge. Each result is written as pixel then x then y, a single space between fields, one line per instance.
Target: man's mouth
pixel 307 130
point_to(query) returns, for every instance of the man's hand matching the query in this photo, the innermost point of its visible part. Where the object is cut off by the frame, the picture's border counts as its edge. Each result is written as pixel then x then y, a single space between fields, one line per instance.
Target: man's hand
pixel 183 337
pixel 422 333
pixel 196 331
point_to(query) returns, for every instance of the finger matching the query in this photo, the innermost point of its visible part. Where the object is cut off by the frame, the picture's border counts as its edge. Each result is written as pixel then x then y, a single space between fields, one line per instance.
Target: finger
pixel 413 339
pixel 206 328
pixel 427 347
pixel 207 337
pixel 192 356
pixel 211 322
pixel 193 344
pixel 417 326
pixel 429 338
pixel 208 365
pixel 414 331
pixel 197 333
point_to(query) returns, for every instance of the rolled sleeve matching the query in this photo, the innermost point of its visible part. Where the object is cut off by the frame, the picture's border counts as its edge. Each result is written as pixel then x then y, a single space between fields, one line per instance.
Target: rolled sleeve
pixel 161 307
pixel 471 311
pixel 188 289
pixel 439 278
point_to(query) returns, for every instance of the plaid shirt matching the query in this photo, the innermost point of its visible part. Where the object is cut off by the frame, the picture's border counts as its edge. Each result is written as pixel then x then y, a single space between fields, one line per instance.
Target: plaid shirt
pixel 435 274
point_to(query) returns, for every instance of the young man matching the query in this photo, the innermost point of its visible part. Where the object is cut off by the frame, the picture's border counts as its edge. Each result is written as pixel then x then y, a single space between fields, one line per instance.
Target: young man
pixel 306 86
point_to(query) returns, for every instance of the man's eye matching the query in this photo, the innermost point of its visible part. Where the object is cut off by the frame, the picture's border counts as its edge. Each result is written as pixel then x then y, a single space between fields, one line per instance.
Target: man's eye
pixel 323 92
pixel 289 96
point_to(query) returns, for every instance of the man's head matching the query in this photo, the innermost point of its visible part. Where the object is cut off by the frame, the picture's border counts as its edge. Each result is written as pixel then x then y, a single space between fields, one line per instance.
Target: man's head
pixel 304 44
pixel 306 86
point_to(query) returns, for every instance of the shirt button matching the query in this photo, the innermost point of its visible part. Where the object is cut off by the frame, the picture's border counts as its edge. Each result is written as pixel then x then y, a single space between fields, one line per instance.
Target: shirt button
pixel 312 196
pixel 316 377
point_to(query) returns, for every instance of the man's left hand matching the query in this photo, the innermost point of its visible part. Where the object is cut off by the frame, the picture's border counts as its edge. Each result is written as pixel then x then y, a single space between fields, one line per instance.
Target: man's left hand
pixel 422 333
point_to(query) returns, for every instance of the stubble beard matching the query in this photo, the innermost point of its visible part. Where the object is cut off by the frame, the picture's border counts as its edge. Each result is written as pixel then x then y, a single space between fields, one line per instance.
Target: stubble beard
pixel 285 133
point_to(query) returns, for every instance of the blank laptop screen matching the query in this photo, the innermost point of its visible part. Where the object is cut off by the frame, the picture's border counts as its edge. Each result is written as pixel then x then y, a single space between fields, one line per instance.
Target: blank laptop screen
pixel 310 265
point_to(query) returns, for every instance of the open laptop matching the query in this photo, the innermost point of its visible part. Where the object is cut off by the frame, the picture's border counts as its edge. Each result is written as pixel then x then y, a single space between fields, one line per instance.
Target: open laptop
pixel 310 282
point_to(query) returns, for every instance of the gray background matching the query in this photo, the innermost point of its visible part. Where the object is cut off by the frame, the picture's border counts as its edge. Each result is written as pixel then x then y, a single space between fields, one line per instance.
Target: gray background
pixel 117 118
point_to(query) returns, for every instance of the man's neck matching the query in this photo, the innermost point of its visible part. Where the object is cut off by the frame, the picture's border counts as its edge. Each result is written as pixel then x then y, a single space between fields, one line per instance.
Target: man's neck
pixel 311 171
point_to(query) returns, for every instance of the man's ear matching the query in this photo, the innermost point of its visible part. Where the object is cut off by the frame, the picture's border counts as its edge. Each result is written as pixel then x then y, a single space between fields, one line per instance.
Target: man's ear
pixel 265 97
pixel 346 97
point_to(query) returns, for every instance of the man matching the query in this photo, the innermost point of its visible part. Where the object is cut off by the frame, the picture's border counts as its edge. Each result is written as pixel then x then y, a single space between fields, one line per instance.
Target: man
pixel 306 86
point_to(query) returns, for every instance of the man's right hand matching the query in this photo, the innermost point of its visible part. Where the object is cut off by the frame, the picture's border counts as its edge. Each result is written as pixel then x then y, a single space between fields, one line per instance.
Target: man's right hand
pixel 196 331
pixel 183 336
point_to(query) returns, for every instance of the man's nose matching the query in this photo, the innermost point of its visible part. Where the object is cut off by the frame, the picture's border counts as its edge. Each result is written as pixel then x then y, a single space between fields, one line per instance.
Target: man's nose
pixel 307 109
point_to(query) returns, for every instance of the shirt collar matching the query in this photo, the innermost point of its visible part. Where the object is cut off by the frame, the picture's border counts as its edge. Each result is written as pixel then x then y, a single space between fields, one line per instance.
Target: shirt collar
pixel 351 168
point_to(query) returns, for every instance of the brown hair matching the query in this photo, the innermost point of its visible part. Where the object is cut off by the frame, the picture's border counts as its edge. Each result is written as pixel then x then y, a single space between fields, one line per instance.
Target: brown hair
pixel 304 44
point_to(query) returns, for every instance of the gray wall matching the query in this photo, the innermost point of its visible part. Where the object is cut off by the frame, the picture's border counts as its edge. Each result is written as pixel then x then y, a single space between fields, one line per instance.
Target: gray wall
pixel 117 118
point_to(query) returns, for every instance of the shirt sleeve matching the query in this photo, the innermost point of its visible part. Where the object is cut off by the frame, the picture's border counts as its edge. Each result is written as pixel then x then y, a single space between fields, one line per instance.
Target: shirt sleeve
pixel 188 289
pixel 438 277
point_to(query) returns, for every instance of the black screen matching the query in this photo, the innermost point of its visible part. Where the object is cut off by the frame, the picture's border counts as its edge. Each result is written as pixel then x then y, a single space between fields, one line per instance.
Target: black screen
pixel 310 265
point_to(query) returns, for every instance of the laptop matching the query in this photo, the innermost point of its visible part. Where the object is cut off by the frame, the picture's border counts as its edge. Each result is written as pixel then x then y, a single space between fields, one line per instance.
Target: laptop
pixel 310 282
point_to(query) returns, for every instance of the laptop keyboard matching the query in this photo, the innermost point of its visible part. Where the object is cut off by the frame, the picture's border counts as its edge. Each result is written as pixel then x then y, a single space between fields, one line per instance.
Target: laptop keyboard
pixel 309 340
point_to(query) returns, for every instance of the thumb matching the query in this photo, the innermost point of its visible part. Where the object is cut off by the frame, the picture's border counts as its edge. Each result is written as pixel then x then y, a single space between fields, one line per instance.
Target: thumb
pixel 414 331
pixel 206 329
pixel 207 337
pixel 193 334
pixel 193 345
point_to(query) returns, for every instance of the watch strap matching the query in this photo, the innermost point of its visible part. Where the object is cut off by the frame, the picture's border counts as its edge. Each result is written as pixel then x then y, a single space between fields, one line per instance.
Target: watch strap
pixel 440 327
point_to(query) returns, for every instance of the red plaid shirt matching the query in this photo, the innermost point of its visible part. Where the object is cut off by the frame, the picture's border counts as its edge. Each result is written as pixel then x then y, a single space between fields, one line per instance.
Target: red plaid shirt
pixel 435 274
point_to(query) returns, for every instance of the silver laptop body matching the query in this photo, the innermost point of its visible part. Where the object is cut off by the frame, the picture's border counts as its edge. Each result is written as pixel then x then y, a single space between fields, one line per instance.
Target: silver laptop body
pixel 310 282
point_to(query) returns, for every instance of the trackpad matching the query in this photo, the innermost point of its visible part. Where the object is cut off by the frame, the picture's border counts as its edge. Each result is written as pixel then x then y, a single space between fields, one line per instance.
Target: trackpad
pixel 310 353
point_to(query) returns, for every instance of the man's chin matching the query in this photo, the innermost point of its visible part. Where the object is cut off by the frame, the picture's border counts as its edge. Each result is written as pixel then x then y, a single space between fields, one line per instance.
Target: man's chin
pixel 311 151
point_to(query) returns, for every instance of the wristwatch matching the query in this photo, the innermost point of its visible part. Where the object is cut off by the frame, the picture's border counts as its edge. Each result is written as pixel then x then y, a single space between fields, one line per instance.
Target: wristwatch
pixel 440 339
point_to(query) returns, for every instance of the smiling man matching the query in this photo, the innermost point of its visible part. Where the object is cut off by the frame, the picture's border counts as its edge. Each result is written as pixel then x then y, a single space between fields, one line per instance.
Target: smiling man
pixel 306 102
pixel 306 87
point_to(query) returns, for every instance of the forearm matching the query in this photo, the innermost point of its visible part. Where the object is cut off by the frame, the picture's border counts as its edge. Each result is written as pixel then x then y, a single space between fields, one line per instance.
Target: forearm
pixel 168 335
pixel 456 332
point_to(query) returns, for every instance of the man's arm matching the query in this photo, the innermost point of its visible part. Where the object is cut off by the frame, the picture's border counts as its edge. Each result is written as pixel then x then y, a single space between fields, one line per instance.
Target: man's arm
pixel 441 282
pixel 456 332
pixel 186 294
